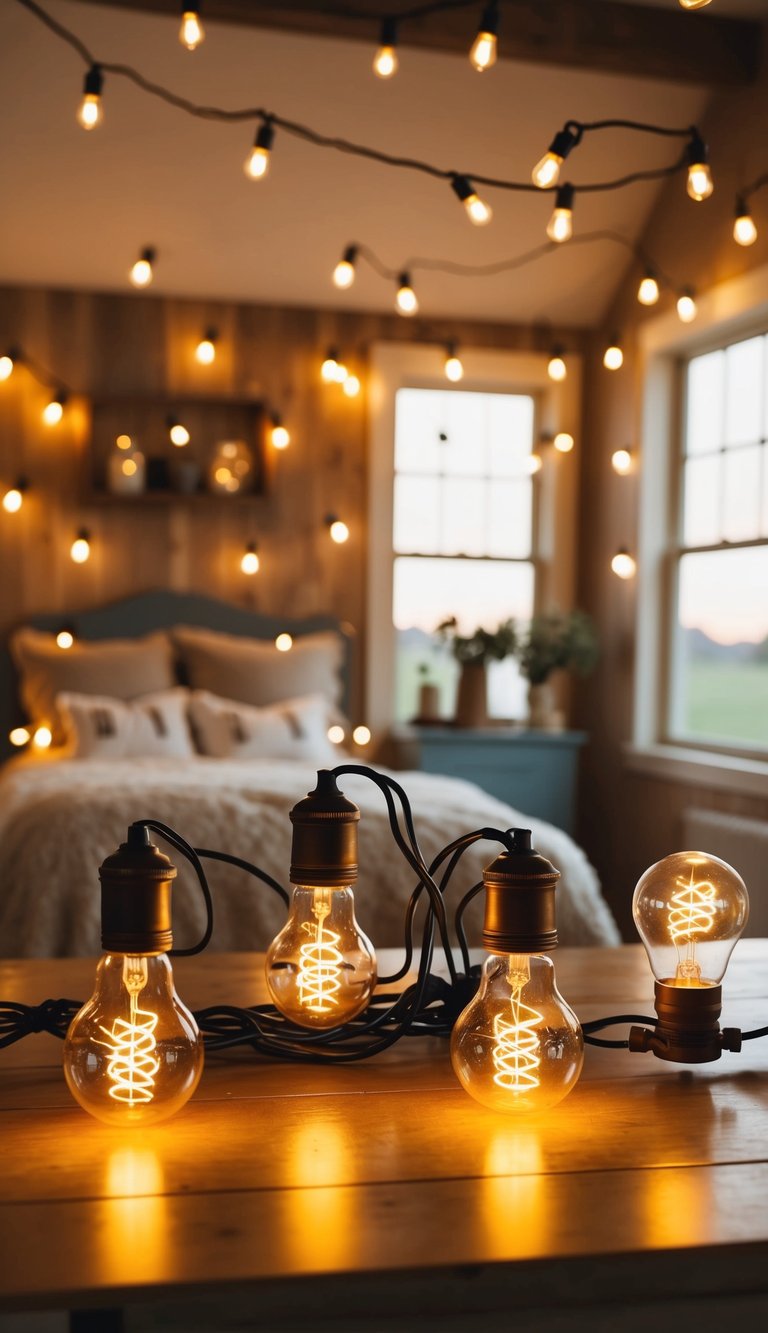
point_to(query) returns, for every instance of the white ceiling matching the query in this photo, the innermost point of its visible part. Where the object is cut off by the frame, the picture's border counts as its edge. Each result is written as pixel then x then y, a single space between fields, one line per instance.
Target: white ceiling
pixel 77 207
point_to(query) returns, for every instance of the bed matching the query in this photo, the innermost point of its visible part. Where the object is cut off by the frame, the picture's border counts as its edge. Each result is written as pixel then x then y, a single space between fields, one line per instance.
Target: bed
pixel 60 817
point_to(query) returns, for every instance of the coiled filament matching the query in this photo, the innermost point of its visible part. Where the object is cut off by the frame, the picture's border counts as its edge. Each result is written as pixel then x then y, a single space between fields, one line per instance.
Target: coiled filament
pixel 692 914
pixel 515 1051
pixel 131 1043
pixel 320 961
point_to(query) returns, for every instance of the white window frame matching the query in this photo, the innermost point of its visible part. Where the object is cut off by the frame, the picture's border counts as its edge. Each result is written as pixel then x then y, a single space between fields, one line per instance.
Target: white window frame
pixel 727 313
pixel 395 366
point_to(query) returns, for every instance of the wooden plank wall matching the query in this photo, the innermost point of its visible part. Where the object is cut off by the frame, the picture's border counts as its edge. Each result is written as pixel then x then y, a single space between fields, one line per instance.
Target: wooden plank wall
pixel 103 344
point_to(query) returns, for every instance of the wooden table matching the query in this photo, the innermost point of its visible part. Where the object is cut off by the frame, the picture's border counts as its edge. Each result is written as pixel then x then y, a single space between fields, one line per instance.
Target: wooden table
pixel 380 1196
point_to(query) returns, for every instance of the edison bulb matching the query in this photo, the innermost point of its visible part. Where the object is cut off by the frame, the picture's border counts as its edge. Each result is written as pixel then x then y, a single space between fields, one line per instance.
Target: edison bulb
pixel 613 357
pixel 328 370
pixel 6 367
pixel 141 273
pixel 385 62
pixel 284 643
pixel 405 300
pixel 343 274
pixel 191 32
pixel 133 1055
pixel 13 500
pixel 560 225
pixel 205 352
pixel 80 550
pixel 687 309
pixel 557 369
pixel 42 738
pixel 257 163
pixel 454 370
pixel 699 184
pixel 690 909
pixel 335 734
pixel 478 211
pixel 279 436
pixel 339 531
pixel 321 968
pixel 621 461
pixel 250 561
pixel 623 565
pixel 483 51
pixel 744 229
pixel 648 291
pixel 351 386
pixel 517 1046
pixel 547 171
pixel 90 112
pixel 65 639
pixel 179 434
pixel 563 442
pixel 53 412
pixel 20 736
pixel 361 735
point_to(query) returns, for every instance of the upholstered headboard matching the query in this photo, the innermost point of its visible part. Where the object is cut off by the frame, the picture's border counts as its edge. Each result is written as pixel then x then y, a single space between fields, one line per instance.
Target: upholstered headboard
pixel 145 612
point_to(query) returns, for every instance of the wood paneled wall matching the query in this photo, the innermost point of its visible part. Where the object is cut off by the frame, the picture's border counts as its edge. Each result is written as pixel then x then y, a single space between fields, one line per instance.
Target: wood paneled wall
pixel 121 345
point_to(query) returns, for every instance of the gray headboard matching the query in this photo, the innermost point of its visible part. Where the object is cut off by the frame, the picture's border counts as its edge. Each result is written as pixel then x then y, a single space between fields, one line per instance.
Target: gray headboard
pixel 134 616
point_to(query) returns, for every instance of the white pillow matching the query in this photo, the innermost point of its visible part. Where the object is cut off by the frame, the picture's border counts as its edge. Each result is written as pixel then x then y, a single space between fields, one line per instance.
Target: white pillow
pixel 292 729
pixel 100 727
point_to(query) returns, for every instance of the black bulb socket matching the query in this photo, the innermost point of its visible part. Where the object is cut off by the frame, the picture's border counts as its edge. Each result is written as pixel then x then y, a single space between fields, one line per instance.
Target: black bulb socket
pixel 93 82
pixel 324 850
pixel 388 34
pixel 265 136
pixel 565 196
pixel 489 21
pixel 520 899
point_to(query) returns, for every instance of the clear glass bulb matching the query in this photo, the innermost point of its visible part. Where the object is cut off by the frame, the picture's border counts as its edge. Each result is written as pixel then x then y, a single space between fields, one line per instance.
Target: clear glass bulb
pixel 351 386
pixel 560 225
pixel 483 51
pixel 191 32
pixel 90 112
pixel 686 308
pixel 454 370
pixel 80 550
pixel 6 367
pixel 339 532
pixel 343 274
pixel 179 435
pixel 53 412
pixel 205 352
pixel 321 969
pixel 517 1046
pixel 478 211
pixel 385 62
pixel 257 163
pixel 699 184
pixel 563 442
pixel 690 909
pixel 280 436
pixel 13 500
pixel 133 1054
pixel 141 273
pixel 557 369
pixel 547 171
pixel 621 461
pixel 406 301
pixel 613 357
pixel 623 565
pixel 648 291
pixel 250 561
pixel 744 230
pixel 328 370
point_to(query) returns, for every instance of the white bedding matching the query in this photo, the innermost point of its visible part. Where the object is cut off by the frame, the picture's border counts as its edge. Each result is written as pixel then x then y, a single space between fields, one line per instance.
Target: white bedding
pixel 59 820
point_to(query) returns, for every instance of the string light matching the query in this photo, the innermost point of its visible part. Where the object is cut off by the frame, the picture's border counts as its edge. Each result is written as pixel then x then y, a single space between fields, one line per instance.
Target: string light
pixel 361 735
pixel 80 550
pixel 623 564
pixel 42 737
pixel 648 291
pixel 476 208
pixel 744 229
pixel 205 352
pixel 546 173
pixel 405 300
pixel 14 497
pixel 65 639
pixel 686 306
pixel 699 185
pixel 279 435
pixel 454 370
pixel 6 365
pixel 563 442
pixel 483 51
pixel 284 643
pixel 54 409
pixel 344 272
pixel 351 386
pixel 694 4
pixel 336 734
pixel 179 435
pixel 385 60
pixel 613 357
pixel 20 736
pixel 338 531
pixel 621 461
pixel 250 561
pixel 556 367
pixel 142 272
pixel 90 112
pixel 535 463
pixel 257 161
pixel 560 225
pixel 191 32
pixel 332 371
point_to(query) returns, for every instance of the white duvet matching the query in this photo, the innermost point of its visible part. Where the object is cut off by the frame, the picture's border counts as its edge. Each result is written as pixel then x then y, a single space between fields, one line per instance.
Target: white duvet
pixel 59 820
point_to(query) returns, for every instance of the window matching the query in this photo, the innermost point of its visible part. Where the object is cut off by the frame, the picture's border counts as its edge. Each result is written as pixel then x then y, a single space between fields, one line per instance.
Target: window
pixel 719 643
pixel 462 533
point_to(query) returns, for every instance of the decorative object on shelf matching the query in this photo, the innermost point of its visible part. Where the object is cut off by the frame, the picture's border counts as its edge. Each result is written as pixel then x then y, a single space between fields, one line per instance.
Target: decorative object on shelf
pixel 553 642
pixel 230 469
pixel 429 697
pixel 186 475
pixel 473 652
pixel 126 468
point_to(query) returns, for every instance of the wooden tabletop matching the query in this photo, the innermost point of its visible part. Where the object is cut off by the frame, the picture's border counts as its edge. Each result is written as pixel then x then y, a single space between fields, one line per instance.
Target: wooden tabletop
pixel 275 1174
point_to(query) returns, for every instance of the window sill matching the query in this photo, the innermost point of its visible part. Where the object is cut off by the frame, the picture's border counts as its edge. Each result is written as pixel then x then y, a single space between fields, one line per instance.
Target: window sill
pixel 675 763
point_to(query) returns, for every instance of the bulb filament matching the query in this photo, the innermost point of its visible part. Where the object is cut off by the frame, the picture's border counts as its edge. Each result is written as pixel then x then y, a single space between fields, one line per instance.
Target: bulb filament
pixel 131 1043
pixel 691 914
pixel 515 1052
pixel 320 960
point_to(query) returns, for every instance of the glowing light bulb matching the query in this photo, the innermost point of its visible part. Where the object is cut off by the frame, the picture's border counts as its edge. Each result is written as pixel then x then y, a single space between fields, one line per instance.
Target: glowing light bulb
pixel 623 565
pixel 6 367
pixel 329 367
pixel 690 909
pixel 563 442
pixel 42 737
pixel 535 464
pixel 129 467
pixel 250 561
pixel 484 49
pixel 361 735
pixel 694 4
pixel 205 352
pixel 54 410
pixel 687 309
pixel 20 736
pixel 284 643
pixel 699 184
pixel 257 162
pixel 65 639
pixel 321 969
pixel 648 291
pixel 744 229
pixel 336 734
pixel 476 208
pixel 351 386
pixel 621 461
pixel 405 300
pixel 454 370
pixel 560 225
pixel 80 550
pixel 385 60
pixel 546 173
pixel 179 435
pixel 556 367
pixel 613 357
pixel 191 32
pixel 124 442
pixel 13 499
pixel 279 435
pixel 344 272
pixel 339 532
pixel 90 112
pixel 142 271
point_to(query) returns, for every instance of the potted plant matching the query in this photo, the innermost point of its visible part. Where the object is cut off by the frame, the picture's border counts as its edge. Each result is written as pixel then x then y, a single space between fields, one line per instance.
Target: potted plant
pixel 555 641
pixel 473 652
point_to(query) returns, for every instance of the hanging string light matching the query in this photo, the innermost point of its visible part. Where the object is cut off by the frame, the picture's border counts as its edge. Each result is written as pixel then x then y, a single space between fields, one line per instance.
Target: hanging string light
pixel 191 32
pixel 351 385
pixel 622 462
pixel 14 496
pixel 484 49
pixel 90 112
pixel 563 442
pixel 332 371
pixel 623 564
pixel 744 229
pixel 279 436
pixel 613 356
pixel 7 363
pixel 686 306
pixel 142 272
pixel 560 225
pixel 205 352
pixel 250 560
pixel 546 173
pixel 405 300
pixel 699 184
pixel 80 550
pixel 257 162
pixel 178 433
pixel 385 60
pixel 337 530
pixel 454 370
pixel 54 409
pixel 648 291
pixel 344 272
pixel 476 208
pixel 556 367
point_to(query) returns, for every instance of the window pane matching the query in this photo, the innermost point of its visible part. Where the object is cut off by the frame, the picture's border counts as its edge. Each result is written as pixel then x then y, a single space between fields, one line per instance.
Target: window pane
pixel 701 501
pixel 721 650
pixel 464 525
pixel 743 391
pixel 510 518
pixel 419 419
pixel 510 434
pixel 417 514
pixel 704 408
pixel 741 495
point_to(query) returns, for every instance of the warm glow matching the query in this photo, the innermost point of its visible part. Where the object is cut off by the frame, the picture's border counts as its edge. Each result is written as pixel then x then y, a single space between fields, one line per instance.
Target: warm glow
pixel 124 442
pixel 385 63
pixel 483 51
pixel 320 961
pixel 623 565
pixel 13 500
pixel 744 233
pixel 560 225
pixel 547 171
pixel 534 464
pixel 361 735
pixel 53 412
pixel 284 643
pixel 694 4
pixel 351 386
pixel 250 561
pixel 131 1044
pixel 42 738
pixel 686 308
pixel 19 736
pixel 692 912
pixel 515 1051
pixel 191 32
pixel 648 291
pixel 557 369
pixel 279 436
pixel 699 184
pixel 454 370
pixel 80 550
pixel 613 357
pixel 478 211
pixel 141 274
pixel 329 370
pixel 336 734
pixel 405 300
pixel 621 461
pixel 90 112
pixel 339 531
pixel 343 274
pixel 6 367
pixel 257 163
pixel 563 442
pixel 205 352
pixel 179 435
pixel 64 639
pixel 129 467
